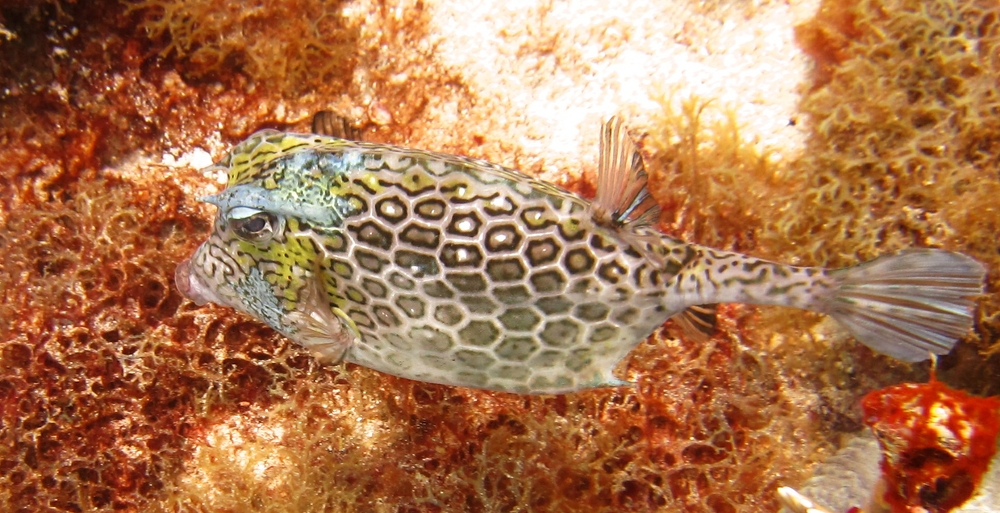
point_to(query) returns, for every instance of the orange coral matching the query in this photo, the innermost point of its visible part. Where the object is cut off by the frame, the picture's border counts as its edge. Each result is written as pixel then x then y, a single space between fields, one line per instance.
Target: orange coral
pixel 936 443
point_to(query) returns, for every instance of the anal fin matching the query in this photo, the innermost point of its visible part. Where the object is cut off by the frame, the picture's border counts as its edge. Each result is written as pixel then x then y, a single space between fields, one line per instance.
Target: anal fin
pixel 697 322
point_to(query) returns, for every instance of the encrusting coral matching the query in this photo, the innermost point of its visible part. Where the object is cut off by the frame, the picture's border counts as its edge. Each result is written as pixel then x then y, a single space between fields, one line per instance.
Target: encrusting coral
pixel 115 394
pixel 937 443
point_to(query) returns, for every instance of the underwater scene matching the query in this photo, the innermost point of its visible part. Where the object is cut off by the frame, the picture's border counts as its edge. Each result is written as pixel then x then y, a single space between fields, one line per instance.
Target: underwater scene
pixel 533 255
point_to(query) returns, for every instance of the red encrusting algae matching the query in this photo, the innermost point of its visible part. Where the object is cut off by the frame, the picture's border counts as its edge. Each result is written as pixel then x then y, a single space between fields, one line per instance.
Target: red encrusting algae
pixel 936 443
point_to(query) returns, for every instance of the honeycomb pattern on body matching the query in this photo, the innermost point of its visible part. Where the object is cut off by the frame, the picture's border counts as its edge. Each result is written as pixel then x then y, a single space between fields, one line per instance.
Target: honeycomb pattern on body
pixel 454 270
pixel 459 276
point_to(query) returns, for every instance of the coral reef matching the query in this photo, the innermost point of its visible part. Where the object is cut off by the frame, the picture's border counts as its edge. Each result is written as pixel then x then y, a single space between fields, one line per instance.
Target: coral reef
pixel 115 394
pixel 85 425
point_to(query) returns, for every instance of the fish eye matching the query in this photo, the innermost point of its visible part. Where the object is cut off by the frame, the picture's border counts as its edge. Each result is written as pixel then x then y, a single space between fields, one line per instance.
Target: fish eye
pixel 252 225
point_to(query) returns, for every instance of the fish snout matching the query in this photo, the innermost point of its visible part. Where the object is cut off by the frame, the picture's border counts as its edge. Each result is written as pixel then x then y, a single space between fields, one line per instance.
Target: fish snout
pixel 190 286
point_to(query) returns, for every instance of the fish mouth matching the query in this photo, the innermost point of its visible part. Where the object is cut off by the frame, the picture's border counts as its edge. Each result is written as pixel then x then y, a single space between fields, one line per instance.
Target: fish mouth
pixel 192 287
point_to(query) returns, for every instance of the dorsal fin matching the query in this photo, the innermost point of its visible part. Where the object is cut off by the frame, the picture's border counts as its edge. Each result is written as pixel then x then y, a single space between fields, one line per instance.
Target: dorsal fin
pixel 326 122
pixel 622 197
pixel 697 322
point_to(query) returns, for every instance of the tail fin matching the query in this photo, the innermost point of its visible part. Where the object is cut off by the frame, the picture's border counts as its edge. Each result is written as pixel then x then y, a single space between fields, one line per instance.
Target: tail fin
pixel 910 304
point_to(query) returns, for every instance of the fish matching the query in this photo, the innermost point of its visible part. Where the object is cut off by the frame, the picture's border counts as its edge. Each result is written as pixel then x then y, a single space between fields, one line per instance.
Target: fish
pixel 454 270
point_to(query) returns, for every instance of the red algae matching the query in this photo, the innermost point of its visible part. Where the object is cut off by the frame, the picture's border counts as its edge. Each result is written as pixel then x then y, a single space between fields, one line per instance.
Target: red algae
pixel 936 443
pixel 827 38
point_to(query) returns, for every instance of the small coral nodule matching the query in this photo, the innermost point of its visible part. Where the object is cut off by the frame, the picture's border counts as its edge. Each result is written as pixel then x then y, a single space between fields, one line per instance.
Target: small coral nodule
pixel 936 443
pixel 938 454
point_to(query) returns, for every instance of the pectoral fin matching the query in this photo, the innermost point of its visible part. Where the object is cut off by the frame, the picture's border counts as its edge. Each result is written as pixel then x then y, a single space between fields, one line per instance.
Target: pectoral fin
pixel 326 122
pixel 321 327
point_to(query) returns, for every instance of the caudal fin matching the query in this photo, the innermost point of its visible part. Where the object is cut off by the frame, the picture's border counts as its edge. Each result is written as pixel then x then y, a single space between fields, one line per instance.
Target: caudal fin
pixel 910 304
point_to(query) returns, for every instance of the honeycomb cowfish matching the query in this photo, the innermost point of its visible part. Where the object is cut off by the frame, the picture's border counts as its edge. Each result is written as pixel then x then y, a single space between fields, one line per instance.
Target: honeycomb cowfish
pixel 453 270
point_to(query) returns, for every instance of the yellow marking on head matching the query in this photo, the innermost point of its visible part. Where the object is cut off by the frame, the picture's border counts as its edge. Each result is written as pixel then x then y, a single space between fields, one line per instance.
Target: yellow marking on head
pixel 248 157
pixel 284 262
pixel 246 256
pixel 416 178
